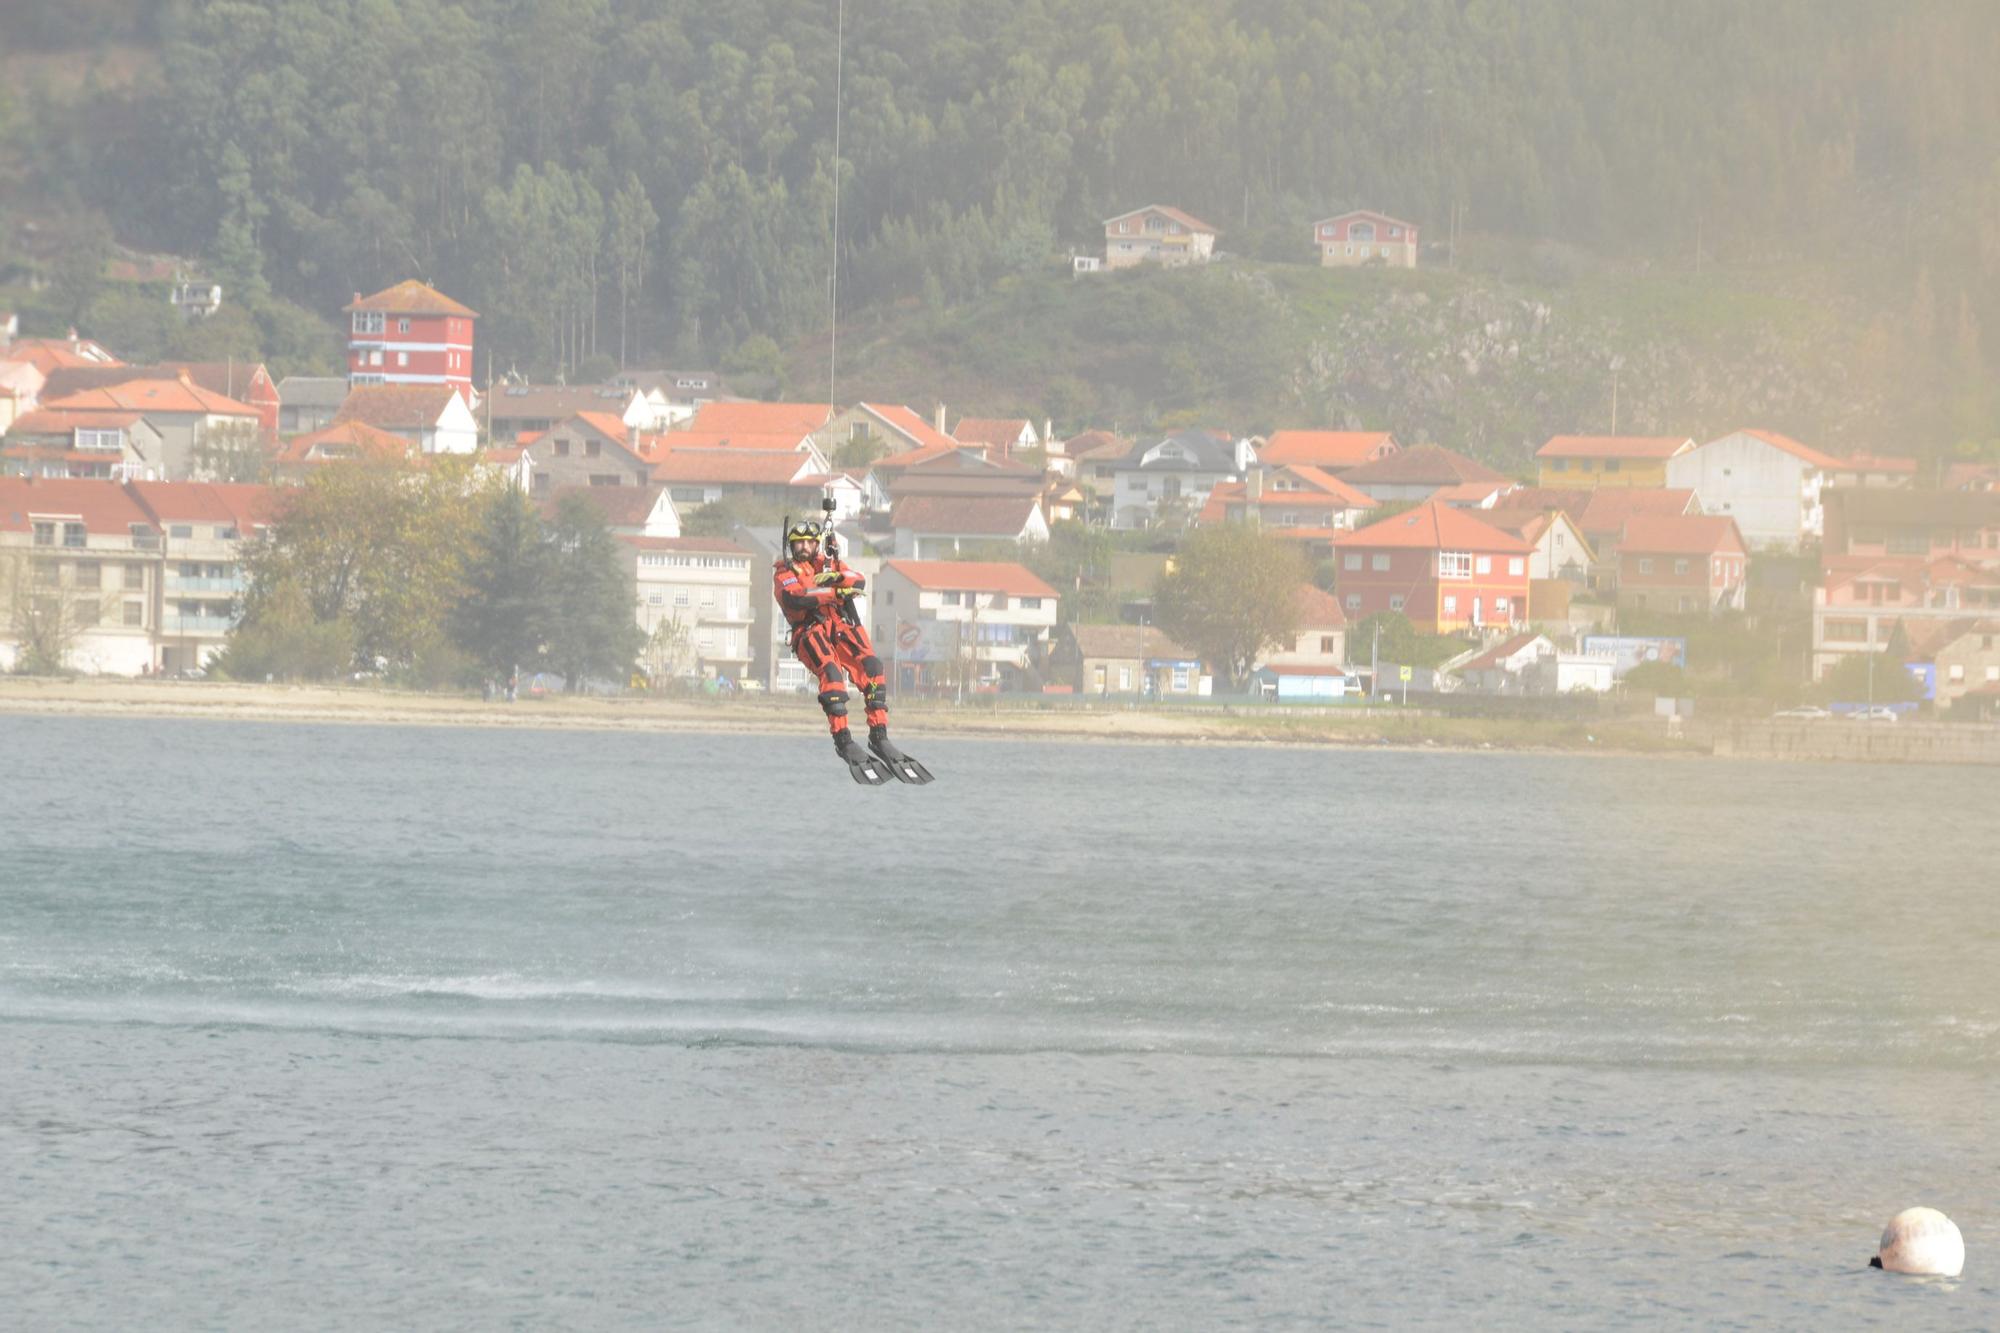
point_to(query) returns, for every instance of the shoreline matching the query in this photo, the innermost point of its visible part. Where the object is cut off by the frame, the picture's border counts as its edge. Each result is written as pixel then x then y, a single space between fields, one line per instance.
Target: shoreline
pixel 784 715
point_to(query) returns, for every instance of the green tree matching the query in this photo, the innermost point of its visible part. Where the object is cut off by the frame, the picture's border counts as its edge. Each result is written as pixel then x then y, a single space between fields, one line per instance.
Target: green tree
pixel 1860 677
pixel 504 618
pixel 1233 592
pixel 591 628
pixel 285 641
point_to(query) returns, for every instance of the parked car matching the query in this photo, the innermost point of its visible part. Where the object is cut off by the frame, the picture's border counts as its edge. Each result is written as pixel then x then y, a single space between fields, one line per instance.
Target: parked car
pixel 1876 714
pixel 1805 711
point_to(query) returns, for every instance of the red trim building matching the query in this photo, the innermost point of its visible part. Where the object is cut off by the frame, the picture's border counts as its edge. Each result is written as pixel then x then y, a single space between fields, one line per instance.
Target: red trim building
pixel 410 334
pixel 1439 566
pixel 1682 563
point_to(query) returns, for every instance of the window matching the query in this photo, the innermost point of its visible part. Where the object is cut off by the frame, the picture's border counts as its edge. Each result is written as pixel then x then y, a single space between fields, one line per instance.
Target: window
pixel 1029 603
pixel 135 576
pixel 562 448
pixel 1645 564
pixel 541 484
pixel 1352 560
pixel 1610 465
pixel 656 599
pixel 181 532
pixel 1124 678
pixel 592 448
pixel 681 597
pixel 1395 601
pixel 606 479
pixel 1680 566
pixel 1454 564
pixel 950 599
pixel 1558 465
pixel 97 439
pixel 47 574
pixel 1502 606
pixel 1097 678
pixel 889 597
pixel 135 613
pixel 1326 644
pixel 89 574
pixel 75 534
pixel 1180 679
pixel 1846 631
pixel 368 321
pixel 45 534
pixel 89 611
pixel 1379 563
pixel 402 326
pixel 1483 565
pixel 375 358
pixel 402 358
pixel 1992 673
pixel 1354 601
pixel 1957 673
pixel 1451 606
pixel 708 599
pixel 1518 565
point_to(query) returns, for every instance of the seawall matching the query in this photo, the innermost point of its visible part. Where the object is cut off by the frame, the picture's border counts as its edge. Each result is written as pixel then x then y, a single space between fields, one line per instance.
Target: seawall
pixel 1865 742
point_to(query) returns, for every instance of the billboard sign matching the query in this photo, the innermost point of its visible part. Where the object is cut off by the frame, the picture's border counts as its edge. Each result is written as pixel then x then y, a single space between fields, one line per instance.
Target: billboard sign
pixel 1628 651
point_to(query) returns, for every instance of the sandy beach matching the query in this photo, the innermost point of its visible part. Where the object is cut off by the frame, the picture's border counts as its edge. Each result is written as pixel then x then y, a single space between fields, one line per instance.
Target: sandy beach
pixel 367 705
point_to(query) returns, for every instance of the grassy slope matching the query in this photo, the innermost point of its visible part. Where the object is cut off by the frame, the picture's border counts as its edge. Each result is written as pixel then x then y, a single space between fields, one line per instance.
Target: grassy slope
pixel 1478 361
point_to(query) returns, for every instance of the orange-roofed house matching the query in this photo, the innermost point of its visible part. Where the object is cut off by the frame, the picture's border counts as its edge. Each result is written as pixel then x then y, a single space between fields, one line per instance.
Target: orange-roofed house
pixel 972 623
pixel 586 449
pixel 1347 240
pixel 1863 599
pixel 734 417
pixel 241 381
pixel 341 442
pixel 187 416
pixel 120 446
pixel 434 417
pixel 695 477
pixel 1418 472
pixel 1591 461
pixel 1291 500
pixel 410 333
pixel 513 410
pixel 203 527
pixel 90 556
pixel 1000 437
pixel 1683 564
pixel 1157 234
pixel 937 527
pixel 1328 450
pixel 1439 566
pixel 1769 483
pixel 891 429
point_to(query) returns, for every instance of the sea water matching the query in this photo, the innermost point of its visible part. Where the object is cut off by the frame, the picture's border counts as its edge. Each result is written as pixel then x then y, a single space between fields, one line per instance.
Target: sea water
pixel 321 1026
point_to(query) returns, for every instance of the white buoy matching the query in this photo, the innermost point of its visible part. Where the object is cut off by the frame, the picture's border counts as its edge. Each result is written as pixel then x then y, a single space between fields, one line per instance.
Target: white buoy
pixel 1921 1240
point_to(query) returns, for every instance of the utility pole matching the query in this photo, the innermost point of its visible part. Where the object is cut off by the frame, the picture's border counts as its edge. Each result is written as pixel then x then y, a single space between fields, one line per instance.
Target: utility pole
pixel 1375 665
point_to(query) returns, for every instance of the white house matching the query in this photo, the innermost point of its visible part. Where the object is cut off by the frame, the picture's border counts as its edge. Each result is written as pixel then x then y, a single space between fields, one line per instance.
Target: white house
pixel 971 623
pixel 693 604
pixel 1769 483
pixel 434 417
pixel 1178 471
pixel 934 527
pixel 1157 234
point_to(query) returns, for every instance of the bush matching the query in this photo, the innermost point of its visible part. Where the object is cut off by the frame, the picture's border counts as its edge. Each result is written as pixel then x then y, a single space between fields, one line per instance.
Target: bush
pixel 284 642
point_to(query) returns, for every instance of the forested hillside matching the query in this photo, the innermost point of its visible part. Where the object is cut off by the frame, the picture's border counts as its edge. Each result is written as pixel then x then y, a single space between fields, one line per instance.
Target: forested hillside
pixel 653 179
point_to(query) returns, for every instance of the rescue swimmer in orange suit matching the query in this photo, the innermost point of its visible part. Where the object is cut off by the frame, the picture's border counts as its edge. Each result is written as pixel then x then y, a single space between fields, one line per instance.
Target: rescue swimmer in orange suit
pixel 814 589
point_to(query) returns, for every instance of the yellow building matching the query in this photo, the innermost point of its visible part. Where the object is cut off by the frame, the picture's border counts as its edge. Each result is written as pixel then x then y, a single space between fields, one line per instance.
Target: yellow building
pixel 1586 462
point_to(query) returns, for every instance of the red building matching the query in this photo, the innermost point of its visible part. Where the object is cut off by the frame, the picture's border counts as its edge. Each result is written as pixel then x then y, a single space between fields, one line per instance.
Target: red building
pixel 410 334
pixel 1683 563
pixel 1439 566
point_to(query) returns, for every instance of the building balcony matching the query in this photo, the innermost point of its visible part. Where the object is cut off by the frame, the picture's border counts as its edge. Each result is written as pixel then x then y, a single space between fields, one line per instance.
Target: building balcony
pixel 178 624
pixel 175 583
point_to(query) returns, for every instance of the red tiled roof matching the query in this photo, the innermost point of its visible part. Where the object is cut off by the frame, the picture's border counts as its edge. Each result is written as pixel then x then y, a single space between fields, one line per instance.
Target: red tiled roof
pixel 1805 453
pixel 723 467
pixel 1092 444
pixel 764 441
pixel 47 421
pixel 1116 641
pixel 1319 609
pixel 51 354
pixel 101 506
pixel 1002 576
pixel 1366 213
pixel 176 397
pixel 1878 463
pixel 411 297
pixel 240 504
pixel 1188 220
pixel 343 439
pixel 1614 446
pixel 607 424
pixel 1325 448
pixel 747 418
pixel 1434 527
pixel 1471 493
pixel 1422 465
pixel 622 506
pixel 1000 516
pixel 397 406
pixel 994 432
pixel 909 423
pixel 231 379
pixel 1680 534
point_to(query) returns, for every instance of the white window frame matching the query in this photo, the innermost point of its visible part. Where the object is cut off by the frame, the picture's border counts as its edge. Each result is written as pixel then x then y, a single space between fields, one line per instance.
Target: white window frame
pixel 1482 564
pixel 1518 565
pixel 1454 564
pixel 1353 560
pixel 1379 563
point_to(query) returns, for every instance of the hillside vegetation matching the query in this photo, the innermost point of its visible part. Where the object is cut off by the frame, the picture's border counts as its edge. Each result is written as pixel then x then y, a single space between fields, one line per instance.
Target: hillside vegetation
pixel 645 180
